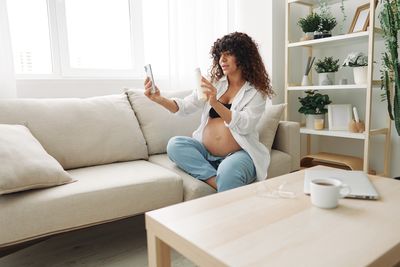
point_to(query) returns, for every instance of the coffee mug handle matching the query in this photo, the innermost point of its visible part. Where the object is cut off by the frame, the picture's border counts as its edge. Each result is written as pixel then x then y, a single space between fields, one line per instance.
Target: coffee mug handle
pixel 347 190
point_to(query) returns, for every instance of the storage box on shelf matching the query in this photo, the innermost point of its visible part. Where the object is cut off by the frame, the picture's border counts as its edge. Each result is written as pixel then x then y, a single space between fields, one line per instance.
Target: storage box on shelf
pixel 367 37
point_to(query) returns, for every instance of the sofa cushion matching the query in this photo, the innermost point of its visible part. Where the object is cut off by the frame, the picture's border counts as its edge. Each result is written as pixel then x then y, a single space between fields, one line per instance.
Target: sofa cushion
pixel 281 163
pixel 102 193
pixel 192 187
pixel 24 164
pixel 80 132
pixel 157 123
pixel 269 122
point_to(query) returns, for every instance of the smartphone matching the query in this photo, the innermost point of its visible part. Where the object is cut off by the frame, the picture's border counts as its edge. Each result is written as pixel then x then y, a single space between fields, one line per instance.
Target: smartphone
pixel 149 73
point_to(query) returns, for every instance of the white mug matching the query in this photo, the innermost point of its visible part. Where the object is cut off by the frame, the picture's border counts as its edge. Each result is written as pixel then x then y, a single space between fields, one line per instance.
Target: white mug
pixel 325 192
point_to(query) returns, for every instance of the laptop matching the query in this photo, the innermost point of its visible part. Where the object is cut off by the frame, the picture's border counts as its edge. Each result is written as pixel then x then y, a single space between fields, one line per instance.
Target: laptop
pixel 359 183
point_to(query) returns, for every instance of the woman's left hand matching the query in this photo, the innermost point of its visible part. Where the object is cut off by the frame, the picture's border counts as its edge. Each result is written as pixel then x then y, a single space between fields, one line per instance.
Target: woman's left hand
pixel 210 91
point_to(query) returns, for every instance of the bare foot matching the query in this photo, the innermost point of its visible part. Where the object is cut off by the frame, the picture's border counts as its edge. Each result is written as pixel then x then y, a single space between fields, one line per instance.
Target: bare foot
pixel 211 182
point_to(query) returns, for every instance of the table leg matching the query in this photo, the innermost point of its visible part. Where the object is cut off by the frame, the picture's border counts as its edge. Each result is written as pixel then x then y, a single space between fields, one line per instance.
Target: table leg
pixel 158 252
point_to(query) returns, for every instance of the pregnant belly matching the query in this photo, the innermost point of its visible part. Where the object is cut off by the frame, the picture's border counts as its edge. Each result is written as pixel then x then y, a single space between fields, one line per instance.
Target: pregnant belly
pixel 218 139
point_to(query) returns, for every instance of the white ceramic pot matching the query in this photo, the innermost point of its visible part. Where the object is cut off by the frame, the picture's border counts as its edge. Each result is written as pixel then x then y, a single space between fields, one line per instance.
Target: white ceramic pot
pixel 310 119
pixel 306 81
pixel 326 78
pixel 307 36
pixel 360 74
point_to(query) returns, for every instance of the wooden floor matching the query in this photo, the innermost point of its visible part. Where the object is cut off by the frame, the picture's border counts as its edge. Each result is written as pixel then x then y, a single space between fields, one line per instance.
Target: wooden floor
pixel 121 243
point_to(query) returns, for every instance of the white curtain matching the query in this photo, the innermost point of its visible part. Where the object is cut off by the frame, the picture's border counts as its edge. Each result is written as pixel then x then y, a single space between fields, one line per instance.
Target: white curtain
pixel 194 25
pixel 7 75
pixel 178 36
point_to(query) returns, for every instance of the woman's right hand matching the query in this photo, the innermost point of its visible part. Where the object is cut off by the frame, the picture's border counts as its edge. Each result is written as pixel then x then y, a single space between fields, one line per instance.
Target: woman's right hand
pixel 147 91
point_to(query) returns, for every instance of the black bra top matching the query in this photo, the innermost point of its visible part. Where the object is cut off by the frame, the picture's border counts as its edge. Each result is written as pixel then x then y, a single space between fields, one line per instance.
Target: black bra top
pixel 213 114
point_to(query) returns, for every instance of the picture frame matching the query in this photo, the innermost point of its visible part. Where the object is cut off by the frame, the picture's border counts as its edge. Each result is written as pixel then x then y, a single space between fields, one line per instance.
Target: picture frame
pixel 339 116
pixel 361 18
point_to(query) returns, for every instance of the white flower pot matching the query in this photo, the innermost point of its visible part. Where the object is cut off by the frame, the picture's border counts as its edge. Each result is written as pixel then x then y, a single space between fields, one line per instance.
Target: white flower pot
pixel 310 119
pixel 360 74
pixel 327 78
pixel 306 81
pixel 307 36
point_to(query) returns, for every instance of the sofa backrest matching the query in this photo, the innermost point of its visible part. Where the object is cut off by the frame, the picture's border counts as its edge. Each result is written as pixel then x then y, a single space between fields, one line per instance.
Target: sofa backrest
pixel 157 123
pixel 80 132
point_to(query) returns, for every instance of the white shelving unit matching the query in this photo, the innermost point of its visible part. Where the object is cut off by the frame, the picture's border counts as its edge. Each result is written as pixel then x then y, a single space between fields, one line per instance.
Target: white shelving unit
pixel 363 37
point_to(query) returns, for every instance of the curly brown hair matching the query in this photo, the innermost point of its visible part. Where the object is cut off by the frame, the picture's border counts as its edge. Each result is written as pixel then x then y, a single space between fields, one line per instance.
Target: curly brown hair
pixel 248 59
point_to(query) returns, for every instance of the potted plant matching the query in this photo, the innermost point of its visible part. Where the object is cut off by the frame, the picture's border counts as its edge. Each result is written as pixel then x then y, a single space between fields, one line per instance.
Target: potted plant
pixel 390 73
pixel 326 69
pixel 309 25
pixel 327 21
pixel 313 106
pixel 359 62
pixel 326 26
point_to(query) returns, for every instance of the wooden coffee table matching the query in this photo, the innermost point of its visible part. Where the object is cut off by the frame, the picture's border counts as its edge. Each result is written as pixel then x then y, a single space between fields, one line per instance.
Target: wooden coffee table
pixel 243 227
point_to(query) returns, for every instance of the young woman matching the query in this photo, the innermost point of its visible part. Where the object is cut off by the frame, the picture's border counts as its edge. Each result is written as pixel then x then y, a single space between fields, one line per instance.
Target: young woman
pixel 224 151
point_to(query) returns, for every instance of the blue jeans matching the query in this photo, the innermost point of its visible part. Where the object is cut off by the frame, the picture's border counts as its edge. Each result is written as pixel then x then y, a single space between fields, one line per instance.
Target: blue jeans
pixel 236 169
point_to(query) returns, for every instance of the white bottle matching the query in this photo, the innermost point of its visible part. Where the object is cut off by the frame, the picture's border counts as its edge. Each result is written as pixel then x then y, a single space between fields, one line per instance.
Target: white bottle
pixel 200 93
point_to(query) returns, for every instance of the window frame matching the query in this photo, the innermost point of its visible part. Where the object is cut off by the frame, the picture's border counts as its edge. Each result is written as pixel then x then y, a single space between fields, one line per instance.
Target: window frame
pixel 58 36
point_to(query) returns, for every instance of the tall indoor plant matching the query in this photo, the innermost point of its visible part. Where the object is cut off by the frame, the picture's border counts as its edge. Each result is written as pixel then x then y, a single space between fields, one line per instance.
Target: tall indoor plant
pixel 390 22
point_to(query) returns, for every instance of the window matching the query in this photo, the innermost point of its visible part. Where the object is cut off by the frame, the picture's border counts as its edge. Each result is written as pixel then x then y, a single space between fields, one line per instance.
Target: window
pixel 113 38
pixel 29 31
pixel 98 34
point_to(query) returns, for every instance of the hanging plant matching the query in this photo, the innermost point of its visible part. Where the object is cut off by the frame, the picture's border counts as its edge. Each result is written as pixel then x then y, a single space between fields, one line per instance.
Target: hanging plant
pixel 344 17
pixel 328 21
pixel 390 73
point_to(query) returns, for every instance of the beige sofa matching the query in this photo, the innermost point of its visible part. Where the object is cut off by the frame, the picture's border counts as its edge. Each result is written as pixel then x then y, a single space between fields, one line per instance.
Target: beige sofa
pixel 114 147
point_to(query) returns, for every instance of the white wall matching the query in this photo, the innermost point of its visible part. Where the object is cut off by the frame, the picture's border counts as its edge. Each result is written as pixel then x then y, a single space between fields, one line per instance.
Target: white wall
pixel 263 21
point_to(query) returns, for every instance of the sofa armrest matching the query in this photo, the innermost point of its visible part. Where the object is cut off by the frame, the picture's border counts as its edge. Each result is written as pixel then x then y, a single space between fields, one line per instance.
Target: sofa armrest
pixel 287 139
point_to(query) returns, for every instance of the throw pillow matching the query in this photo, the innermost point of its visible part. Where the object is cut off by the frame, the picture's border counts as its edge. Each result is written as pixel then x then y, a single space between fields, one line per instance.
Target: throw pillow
pixel 157 123
pixel 24 164
pixel 80 132
pixel 269 123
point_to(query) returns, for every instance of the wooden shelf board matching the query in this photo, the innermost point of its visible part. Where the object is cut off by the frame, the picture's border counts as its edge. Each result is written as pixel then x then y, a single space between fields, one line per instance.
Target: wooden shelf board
pixel 379 131
pixel 311 2
pixel 376 82
pixel 327 132
pixel 328 87
pixel 334 40
pixel 353 163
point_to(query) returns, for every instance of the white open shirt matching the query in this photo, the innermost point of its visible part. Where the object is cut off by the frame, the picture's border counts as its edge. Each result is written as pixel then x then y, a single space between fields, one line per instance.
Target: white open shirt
pixel 247 109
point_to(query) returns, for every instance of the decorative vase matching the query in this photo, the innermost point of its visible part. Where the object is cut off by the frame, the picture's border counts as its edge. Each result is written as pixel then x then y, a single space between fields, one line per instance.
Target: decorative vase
pixel 326 78
pixel 360 74
pixel 310 119
pixel 306 81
